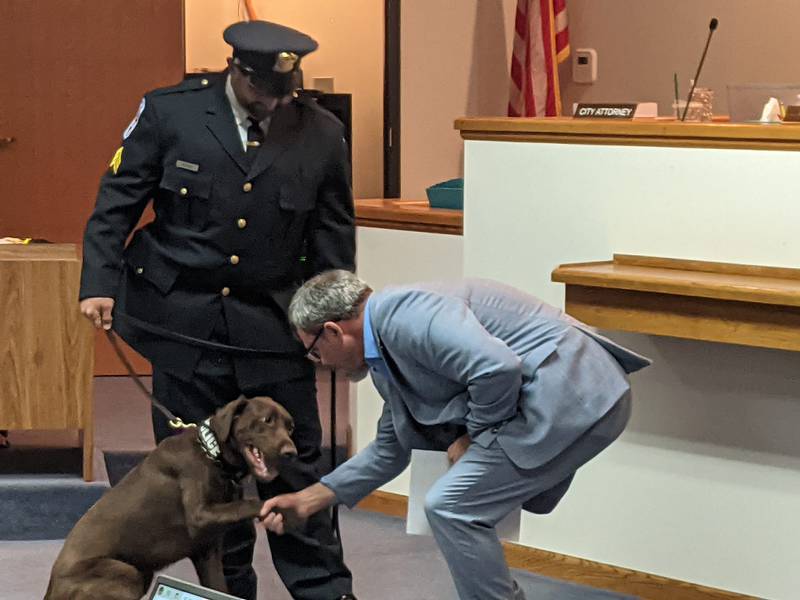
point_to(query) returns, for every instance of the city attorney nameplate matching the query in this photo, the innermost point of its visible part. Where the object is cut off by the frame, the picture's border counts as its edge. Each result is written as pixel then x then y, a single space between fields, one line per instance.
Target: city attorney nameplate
pixel 605 111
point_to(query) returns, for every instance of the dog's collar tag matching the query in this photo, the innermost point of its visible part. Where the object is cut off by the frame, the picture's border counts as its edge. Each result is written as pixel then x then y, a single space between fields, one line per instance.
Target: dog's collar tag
pixel 208 440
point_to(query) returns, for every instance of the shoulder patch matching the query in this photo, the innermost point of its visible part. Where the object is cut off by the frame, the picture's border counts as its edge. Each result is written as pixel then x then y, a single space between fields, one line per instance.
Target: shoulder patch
pixel 116 161
pixel 129 129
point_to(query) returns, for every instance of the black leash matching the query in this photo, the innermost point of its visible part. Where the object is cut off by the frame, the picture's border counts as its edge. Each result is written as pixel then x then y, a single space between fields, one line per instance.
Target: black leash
pixel 206 344
pixel 174 422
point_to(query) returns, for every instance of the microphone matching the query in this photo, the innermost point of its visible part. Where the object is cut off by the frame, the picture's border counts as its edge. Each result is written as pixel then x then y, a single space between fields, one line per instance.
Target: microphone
pixel 712 27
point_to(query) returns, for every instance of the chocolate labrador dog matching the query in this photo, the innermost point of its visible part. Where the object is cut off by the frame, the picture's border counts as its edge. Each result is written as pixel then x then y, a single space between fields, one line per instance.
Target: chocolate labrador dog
pixel 175 504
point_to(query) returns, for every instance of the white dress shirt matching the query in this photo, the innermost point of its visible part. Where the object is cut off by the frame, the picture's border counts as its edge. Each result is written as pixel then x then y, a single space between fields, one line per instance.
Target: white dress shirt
pixel 241 116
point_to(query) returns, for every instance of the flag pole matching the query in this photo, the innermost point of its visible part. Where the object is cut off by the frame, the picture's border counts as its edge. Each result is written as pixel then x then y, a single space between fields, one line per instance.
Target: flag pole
pixel 251 13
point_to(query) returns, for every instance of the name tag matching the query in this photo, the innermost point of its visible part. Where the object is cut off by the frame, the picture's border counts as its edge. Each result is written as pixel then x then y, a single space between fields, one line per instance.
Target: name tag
pixel 605 111
pixel 182 164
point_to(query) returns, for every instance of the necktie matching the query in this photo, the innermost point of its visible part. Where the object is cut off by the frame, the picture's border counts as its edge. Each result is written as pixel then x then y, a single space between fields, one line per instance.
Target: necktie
pixel 255 136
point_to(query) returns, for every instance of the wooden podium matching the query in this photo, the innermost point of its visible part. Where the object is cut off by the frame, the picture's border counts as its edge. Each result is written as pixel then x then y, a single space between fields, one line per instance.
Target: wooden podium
pixel 46 346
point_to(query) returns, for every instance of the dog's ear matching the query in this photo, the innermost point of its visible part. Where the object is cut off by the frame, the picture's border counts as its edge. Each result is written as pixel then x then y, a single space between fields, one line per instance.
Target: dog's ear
pixel 222 421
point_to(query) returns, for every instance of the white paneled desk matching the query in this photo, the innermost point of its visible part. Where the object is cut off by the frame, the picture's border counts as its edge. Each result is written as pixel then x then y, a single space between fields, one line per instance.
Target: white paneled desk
pixel 704 485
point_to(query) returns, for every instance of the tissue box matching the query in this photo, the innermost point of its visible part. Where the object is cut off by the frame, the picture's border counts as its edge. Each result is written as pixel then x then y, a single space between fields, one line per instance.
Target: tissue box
pixel 447 194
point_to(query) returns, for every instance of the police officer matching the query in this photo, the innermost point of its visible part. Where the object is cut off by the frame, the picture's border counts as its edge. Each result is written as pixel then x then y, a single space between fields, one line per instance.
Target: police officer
pixel 251 193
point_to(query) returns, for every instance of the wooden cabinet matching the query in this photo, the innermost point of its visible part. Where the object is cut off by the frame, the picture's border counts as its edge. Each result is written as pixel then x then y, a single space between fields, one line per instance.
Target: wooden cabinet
pixel 46 346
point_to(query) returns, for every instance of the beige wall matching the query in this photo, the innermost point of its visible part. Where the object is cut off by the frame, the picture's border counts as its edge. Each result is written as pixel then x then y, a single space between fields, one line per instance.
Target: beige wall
pixel 454 62
pixel 350 35
pixel 455 58
pixel 640 45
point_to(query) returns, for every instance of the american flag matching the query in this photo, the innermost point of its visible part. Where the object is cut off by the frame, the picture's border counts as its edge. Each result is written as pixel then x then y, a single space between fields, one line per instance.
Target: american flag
pixel 541 42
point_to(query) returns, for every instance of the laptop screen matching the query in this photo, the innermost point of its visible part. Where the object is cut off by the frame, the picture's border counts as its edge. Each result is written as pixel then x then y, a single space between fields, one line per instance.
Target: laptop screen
pixel 169 588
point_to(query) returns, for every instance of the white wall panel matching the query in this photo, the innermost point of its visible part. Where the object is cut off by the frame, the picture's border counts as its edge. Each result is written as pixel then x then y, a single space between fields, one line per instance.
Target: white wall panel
pixel 704 486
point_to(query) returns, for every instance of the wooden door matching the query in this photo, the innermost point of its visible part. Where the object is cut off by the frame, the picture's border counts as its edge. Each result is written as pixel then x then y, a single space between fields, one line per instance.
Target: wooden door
pixel 73 74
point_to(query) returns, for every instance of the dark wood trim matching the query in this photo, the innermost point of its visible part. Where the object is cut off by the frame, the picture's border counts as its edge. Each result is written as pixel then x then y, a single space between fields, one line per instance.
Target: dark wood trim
pixel 408 215
pixel 391 100
pixel 573 569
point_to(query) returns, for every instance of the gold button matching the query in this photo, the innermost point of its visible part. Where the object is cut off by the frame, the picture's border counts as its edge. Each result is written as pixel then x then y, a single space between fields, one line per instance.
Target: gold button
pixel 184 191
pixel 139 270
pixel 247 186
pixel 226 291
pixel 204 81
pixel 234 259
pixel 241 223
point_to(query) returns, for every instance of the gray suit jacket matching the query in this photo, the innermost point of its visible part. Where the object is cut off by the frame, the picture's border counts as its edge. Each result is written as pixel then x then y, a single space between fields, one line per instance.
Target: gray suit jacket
pixel 489 357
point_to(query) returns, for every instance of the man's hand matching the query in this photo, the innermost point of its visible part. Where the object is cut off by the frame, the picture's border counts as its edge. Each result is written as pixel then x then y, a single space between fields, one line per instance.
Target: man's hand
pixel 458 448
pixel 289 511
pixel 98 311
pixel 282 513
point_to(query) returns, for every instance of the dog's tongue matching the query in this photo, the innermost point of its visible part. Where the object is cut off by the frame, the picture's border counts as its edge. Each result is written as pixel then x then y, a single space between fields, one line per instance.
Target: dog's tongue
pixel 259 468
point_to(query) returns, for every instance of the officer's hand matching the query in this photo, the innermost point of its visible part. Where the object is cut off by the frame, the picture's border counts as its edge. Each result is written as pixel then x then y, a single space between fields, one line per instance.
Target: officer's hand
pixel 98 311
pixel 458 448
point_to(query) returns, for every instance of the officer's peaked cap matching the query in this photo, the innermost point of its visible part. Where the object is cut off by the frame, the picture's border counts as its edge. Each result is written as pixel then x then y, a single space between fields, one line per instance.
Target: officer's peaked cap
pixel 268 47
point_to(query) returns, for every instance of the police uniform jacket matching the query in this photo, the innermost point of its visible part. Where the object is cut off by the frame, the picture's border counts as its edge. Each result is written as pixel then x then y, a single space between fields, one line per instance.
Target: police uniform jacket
pixel 233 234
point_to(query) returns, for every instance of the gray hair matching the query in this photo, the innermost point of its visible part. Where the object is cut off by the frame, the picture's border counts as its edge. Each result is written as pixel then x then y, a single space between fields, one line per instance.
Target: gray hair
pixel 330 296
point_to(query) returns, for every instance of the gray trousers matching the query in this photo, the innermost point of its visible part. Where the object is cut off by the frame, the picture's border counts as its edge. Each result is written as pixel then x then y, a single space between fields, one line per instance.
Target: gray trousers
pixel 464 506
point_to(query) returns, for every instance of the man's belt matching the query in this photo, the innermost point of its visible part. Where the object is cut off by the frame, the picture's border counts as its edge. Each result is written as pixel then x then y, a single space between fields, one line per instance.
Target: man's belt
pixel 206 344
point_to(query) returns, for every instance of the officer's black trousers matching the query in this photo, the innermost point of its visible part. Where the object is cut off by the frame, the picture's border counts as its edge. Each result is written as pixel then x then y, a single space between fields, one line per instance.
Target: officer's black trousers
pixel 309 563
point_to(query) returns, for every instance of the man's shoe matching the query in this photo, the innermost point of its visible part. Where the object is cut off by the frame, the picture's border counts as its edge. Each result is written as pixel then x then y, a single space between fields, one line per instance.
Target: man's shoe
pixel 347 597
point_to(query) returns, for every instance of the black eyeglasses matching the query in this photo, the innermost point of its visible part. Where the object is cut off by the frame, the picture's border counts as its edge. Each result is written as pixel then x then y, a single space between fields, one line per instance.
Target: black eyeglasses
pixel 311 352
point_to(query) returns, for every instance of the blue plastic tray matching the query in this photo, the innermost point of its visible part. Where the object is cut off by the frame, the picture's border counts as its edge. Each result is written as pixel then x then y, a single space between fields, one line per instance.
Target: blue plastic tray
pixel 447 194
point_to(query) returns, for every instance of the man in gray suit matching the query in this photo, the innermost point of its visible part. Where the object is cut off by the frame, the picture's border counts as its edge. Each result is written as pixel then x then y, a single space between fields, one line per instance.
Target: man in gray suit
pixel 518 393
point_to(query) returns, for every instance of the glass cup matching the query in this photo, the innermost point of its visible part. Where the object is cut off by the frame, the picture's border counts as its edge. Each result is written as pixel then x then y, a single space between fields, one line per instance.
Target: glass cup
pixel 704 96
pixel 697 111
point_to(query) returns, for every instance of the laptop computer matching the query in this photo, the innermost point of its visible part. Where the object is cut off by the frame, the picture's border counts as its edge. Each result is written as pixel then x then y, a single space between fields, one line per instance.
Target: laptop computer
pixel 169 588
